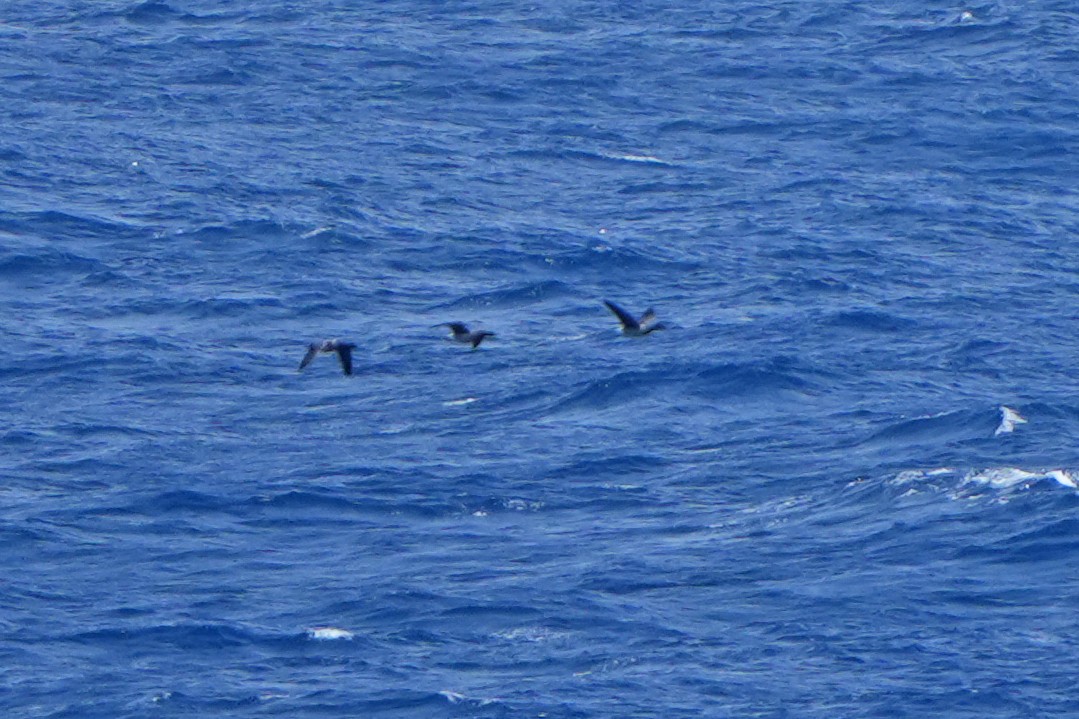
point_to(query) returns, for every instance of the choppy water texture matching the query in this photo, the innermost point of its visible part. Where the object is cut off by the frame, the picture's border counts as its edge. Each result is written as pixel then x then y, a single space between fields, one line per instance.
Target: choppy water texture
pixel 841 484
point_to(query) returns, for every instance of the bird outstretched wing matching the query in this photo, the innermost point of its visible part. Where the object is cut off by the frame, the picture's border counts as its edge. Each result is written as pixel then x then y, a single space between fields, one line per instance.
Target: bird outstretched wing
pixel 479 336
pixel 344 353
pixel 624 317
pixel 312 350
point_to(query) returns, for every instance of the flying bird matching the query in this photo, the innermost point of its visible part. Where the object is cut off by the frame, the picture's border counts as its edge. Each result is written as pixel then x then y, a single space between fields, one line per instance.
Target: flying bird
pixel 462 334
pixel 343 350
pixel 632 327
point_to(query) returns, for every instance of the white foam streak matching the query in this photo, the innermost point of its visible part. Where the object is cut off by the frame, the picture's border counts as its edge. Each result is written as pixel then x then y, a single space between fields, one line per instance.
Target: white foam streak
pixel 993 477
pixel 1008 477
pixel 642 158
pixel 1001 477
pixel 916 475
pixel 316 232
pixel 1064 478
pixel 648 159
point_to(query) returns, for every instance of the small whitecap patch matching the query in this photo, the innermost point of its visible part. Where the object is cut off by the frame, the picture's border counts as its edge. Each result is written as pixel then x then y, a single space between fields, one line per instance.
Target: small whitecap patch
pixel 394 428
pixel 456 698
pixel 1001 477
pixel 1008 477
pixel 329 633
pixel 459 402
pixel 527 634
pixel 1064 477
pixel 648 159
pixel 916 475
pixel 972 483
pixel 316 232
pixel 521 505
pixel 704 450
pixel 1008 419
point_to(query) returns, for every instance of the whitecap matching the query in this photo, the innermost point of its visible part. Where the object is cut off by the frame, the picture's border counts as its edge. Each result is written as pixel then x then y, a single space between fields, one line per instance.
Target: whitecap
pixel 916 475
pixel 1008 419
pixel 1001 477
pixel 527 634
pixel 459 402
pixel 316 232
pixel 1063 477
pixel 329 633
pixel 521 505
pixel 394 428
pixel 457 697
pixel 1008 477
pixel 649 159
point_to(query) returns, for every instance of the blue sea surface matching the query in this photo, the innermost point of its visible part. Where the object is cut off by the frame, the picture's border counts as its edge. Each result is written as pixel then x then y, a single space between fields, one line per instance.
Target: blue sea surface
pixel 841 483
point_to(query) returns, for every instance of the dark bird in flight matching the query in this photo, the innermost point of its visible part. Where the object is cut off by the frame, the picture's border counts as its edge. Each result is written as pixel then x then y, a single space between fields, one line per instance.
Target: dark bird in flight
pixel 343 350
pixel 633 327
pixel 462 334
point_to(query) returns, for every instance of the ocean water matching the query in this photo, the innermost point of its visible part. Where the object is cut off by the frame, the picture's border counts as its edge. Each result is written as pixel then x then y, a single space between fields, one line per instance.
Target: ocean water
pixel 842 483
